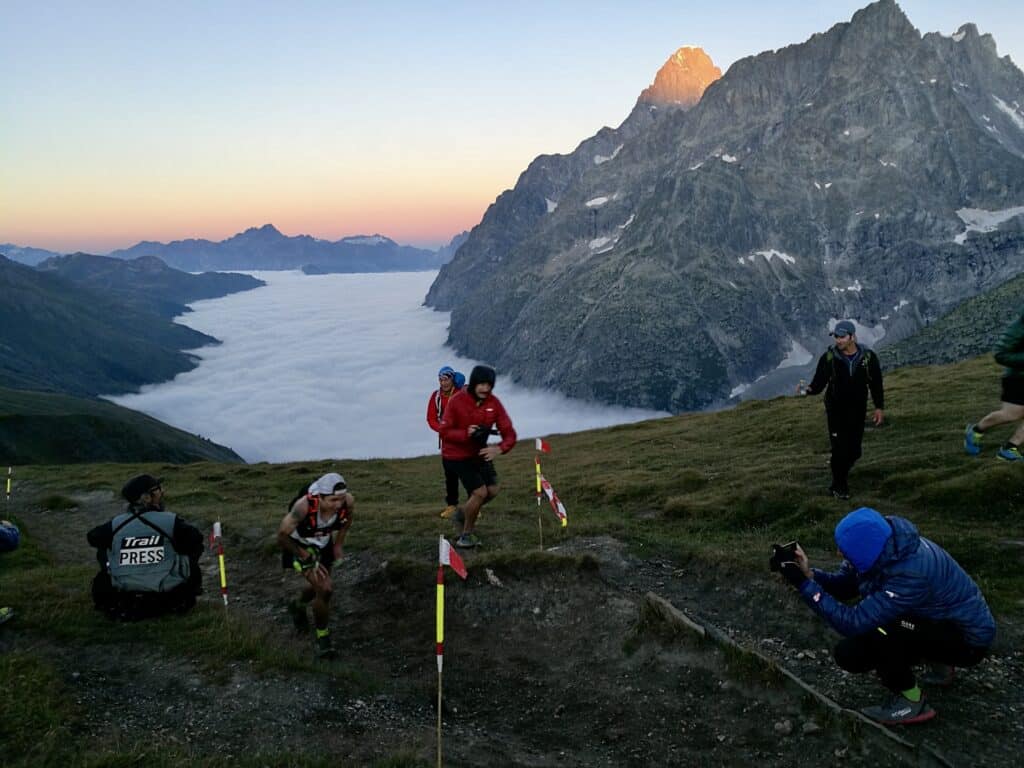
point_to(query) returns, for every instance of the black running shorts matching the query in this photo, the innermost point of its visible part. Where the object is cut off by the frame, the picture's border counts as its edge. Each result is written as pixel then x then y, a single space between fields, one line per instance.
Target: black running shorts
pixel 326 556
pixel 472 473
pixel 1013 390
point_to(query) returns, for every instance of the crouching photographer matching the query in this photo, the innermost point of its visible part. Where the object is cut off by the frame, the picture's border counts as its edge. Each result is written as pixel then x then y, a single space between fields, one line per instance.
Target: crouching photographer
pixel 916 605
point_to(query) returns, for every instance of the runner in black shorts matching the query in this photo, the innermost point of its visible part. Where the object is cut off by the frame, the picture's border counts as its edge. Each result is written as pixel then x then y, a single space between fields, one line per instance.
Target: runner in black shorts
pixel 473 414
pixel 472 473
pixel 311 536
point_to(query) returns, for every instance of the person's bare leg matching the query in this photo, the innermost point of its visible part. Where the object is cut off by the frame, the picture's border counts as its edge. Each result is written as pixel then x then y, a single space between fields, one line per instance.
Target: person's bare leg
pixel 1008 413
pixel 471 509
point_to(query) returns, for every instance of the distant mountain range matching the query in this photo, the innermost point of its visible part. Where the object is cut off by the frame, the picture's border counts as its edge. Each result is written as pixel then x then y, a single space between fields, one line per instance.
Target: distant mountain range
pixel 49 428
pixel 266 248
pixel 870 172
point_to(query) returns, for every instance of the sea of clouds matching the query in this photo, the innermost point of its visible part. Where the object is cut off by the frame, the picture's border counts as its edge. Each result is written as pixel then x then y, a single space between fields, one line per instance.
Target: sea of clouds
pixel 335 366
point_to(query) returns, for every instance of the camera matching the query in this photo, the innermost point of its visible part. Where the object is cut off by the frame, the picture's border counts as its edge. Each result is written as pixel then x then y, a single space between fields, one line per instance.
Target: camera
pixel 481 434
pixel 782 553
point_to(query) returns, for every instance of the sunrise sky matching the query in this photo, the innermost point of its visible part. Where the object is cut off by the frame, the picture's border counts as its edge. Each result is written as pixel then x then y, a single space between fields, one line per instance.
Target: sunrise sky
pixel 130 121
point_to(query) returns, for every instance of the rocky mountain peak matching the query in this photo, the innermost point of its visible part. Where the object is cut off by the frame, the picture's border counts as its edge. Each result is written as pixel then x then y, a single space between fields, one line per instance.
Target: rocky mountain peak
pixel 682 79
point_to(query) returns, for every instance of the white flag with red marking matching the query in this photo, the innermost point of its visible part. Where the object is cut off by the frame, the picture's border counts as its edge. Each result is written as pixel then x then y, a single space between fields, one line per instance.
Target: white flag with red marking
pixel 450 557
pixel 542 445
pixel 556 503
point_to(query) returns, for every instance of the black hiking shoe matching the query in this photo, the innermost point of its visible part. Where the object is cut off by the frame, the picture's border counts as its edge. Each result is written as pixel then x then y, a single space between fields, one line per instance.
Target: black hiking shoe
pixel 297 609
pixel 900 710
pixel 325 648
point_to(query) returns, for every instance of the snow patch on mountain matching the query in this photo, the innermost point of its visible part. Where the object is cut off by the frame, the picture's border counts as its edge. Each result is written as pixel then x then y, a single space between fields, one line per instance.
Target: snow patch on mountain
pixel 980 220
pixel 601 159
pixel 597 202
pixel 552 205
pixel 797 356
pixel 1009 111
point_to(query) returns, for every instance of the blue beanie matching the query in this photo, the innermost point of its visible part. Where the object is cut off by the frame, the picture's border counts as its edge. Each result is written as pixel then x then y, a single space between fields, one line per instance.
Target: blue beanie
pixel 861 536
pixel 446 370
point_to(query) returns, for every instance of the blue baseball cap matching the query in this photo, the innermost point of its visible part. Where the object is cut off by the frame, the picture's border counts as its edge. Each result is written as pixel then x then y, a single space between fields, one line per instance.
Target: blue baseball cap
pixel 861 537
pixel 844 328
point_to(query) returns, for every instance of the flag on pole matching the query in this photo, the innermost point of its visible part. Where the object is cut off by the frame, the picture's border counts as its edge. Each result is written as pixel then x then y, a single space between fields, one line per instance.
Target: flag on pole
pixel 445 556
pixel 556 504
pixel 217 543
pixel 536 467
pixel 451 558
pixel 542 445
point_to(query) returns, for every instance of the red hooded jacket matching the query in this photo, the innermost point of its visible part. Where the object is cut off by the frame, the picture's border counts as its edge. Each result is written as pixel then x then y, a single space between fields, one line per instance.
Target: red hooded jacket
pixel 463 411
pixel 436 406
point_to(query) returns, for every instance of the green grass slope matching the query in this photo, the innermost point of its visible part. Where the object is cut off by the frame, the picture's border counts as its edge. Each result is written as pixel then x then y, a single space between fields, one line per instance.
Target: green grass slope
pixel 708 493
pixel 718 486
pixel 59 336
pixel 971 328
pixel 44 428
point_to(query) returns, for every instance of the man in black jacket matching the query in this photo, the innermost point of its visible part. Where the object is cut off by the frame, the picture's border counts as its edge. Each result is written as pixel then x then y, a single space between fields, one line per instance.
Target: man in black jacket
pixel 149 558
pixel 846 372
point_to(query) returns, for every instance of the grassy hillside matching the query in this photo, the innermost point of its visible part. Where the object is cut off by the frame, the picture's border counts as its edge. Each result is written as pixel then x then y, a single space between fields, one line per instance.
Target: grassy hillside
pixel 146 283
pixel 44 428
pixel 971 328
pixel 59 336
pixel 697 499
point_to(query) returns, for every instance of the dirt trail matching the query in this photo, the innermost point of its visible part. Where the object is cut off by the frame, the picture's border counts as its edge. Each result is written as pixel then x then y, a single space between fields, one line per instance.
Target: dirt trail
pixel 541 670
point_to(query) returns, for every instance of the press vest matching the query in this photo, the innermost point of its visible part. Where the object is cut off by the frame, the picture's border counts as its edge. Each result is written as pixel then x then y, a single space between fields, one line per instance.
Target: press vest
pixel 142 557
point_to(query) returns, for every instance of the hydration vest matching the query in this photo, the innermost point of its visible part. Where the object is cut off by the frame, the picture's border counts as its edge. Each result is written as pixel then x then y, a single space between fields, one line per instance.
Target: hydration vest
pixel 310 530
pixel 142 557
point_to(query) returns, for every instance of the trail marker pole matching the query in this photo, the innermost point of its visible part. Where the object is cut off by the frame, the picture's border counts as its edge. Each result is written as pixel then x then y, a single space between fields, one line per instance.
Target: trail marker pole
pixel 217 542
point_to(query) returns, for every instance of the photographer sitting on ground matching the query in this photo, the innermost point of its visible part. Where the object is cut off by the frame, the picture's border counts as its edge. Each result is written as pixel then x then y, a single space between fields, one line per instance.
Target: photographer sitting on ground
pixel 149 558
pixel 917 605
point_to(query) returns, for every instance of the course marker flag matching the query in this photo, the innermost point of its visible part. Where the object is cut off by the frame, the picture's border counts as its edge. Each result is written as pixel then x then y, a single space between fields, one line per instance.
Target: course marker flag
pixel 445 556
pixel 556 503
pixel 450 557
pixel 542 445
pixel 217 543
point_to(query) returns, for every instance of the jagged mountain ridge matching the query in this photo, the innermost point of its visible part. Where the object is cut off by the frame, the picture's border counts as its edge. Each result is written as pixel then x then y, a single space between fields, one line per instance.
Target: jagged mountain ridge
pixel 818 181
pixel 267 248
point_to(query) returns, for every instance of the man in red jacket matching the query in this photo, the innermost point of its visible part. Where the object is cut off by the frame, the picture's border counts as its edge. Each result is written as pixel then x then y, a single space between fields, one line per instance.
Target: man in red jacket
pixel 435 410
pixel 469 420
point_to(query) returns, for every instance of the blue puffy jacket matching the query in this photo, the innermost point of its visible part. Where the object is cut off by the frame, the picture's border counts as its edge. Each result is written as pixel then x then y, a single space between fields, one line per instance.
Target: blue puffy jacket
pixel 9 537
pixel 912 578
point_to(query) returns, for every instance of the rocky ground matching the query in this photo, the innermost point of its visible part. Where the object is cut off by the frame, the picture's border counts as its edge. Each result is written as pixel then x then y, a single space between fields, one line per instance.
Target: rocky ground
pixel 542 669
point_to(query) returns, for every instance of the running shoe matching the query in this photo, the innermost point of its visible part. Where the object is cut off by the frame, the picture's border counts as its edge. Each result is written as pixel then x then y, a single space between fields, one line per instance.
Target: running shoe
pixel 448 511
pixel 900 710
pixel 972 441
pixel 467 541
pixel 1010 452
pixel 297 609
pixel 325 648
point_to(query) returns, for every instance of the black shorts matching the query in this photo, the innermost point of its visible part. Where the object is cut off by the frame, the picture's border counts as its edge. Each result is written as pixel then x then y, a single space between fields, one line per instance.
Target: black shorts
pixel 326 555
pixel 472 473
pixel 1013 390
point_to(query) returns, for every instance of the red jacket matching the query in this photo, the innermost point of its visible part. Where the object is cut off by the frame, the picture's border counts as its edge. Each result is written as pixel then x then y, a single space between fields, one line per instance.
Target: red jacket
pixel 463 411
pixel 435 410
